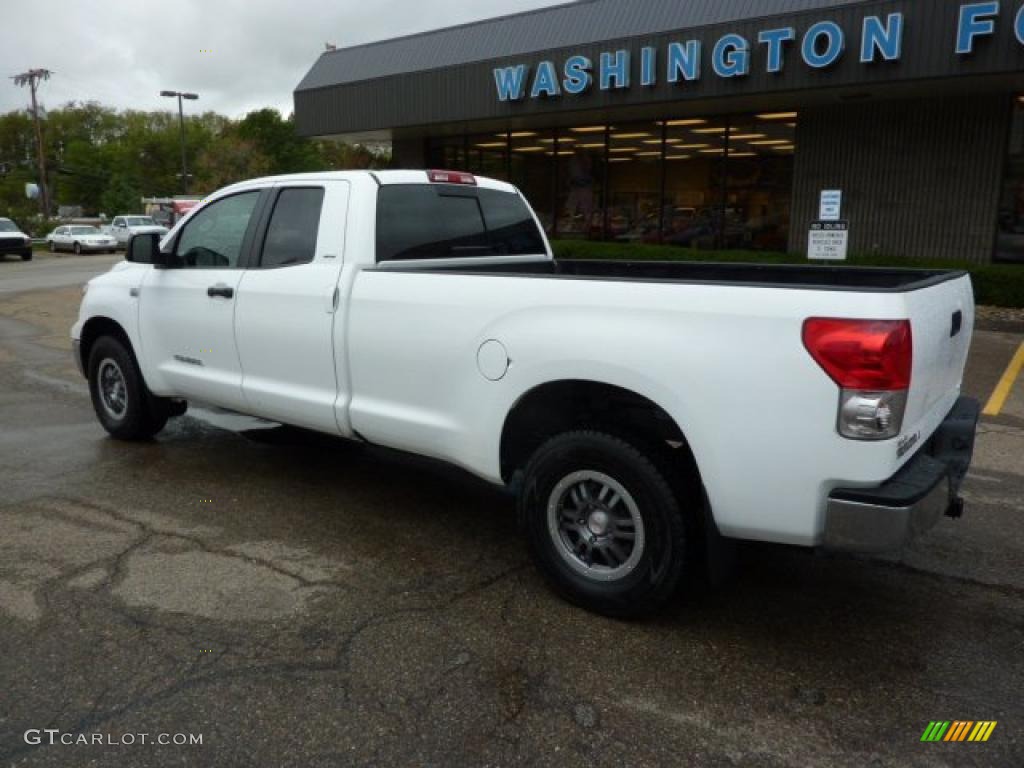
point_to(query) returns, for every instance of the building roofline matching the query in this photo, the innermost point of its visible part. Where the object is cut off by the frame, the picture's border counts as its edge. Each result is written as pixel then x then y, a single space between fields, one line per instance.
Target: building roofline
pixel 463 25
pixel 326 56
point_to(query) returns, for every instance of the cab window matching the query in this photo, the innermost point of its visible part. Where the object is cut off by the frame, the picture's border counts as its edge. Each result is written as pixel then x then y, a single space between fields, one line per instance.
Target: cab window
pixel 438 221
pixel 213 238
pixel 294 225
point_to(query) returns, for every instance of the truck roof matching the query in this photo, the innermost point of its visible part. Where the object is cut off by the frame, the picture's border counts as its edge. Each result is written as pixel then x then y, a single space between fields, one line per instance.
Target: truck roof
pixel 383 178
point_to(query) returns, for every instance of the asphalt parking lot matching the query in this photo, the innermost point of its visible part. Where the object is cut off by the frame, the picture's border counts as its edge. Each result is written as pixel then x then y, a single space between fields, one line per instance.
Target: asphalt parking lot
pixel 299 601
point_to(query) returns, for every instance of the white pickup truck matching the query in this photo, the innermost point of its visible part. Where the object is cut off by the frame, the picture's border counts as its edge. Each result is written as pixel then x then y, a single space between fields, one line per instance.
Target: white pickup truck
pixel 642 412
pixel 124 228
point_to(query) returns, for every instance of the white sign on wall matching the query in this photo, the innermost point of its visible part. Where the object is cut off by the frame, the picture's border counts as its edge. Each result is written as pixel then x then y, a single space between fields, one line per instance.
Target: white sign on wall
pixel 828 241
pixel 831 207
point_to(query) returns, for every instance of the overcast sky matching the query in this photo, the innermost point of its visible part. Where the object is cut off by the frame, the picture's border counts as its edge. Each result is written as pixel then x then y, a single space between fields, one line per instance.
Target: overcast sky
pixel 122 53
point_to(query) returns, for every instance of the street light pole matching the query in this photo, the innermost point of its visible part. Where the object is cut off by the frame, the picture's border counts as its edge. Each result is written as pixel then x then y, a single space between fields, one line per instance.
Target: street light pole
pixel 181 120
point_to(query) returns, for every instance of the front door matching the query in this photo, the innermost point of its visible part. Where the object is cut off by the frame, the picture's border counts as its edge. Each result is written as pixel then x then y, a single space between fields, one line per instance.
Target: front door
pixel 186 311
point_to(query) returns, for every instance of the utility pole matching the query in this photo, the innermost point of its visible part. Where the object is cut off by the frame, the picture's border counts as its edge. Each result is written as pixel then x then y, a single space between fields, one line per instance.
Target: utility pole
pixel 181 122
pixel 31 79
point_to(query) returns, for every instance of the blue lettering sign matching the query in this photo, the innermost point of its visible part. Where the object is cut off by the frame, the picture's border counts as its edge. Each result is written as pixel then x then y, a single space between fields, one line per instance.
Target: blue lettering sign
pixel 577 75
pixel 775 39
pixel 546 81
pixel 648 63
pixel 886 40
pixel 511 82
pixel 832 34
pixel 732 56
pixel 614 67
pixel 822 46
pixel 975 21
pixel 684 61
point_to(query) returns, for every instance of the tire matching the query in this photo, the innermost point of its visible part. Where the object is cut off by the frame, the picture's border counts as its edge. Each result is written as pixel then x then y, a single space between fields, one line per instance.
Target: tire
pixel 78 249
pixel 617 491
pixel 26 256
pixel 123 404
pixel 50 246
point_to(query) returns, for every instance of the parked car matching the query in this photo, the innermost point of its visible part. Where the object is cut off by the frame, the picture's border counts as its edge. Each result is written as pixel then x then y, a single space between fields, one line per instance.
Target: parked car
pixel 123 228
pixel 14 241
pixel 80 239
pixel 639 411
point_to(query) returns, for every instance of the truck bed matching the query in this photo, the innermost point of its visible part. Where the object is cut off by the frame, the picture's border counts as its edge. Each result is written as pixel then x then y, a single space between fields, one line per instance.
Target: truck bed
pixel 796 276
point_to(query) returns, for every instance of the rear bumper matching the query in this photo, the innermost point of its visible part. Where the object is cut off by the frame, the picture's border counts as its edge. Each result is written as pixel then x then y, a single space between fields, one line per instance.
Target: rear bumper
pixel 910 503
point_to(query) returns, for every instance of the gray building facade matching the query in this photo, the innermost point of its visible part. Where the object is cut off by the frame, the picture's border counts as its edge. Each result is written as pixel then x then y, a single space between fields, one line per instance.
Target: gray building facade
pixel 714 123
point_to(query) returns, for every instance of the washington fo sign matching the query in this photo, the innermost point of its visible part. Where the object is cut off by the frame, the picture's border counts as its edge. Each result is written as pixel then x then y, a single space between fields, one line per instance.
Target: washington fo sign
pixel 821 46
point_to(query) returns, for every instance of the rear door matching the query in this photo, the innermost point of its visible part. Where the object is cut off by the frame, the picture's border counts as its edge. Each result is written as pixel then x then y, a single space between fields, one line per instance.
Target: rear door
pixel 187 312
pixel 284 322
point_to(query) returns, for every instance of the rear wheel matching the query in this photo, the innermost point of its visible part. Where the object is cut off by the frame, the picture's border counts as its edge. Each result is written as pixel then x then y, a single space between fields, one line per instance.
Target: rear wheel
pixel 604 525
pixel 78 249
pixel 123 404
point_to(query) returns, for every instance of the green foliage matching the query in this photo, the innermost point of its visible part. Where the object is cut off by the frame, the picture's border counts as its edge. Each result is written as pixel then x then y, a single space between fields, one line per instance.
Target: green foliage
pixel 105 160
pixel 120 196
pixel 998 285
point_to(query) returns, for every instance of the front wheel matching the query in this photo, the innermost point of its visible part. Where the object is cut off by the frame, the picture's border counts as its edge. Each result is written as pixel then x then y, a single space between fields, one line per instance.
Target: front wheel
pixel 51 247
pixel 604 525
pixel 123 404
pixel 78 249
pixel 26 256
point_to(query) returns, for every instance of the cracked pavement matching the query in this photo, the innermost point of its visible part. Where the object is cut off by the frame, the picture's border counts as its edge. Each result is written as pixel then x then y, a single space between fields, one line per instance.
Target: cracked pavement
pixel 300 601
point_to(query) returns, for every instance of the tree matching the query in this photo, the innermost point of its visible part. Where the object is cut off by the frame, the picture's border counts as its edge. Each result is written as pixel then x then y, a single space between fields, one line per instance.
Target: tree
pixel 106 160
pixel 121 196
pixel 230 159
pixel 275 137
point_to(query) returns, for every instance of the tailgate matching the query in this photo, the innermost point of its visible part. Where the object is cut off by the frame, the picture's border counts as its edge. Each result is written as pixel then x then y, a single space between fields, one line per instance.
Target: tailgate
pixel 942 321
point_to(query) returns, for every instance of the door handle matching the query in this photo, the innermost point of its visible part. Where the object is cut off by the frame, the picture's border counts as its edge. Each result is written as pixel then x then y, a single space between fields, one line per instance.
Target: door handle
pixel 222 290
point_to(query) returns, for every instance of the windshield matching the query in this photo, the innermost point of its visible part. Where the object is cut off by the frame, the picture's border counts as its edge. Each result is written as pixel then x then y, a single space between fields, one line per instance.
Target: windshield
pixel 140 221
pixel 84 231
pixel 6 225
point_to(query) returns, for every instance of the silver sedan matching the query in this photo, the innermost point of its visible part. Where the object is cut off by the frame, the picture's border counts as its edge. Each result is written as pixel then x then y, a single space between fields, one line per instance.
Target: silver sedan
pixel 80 239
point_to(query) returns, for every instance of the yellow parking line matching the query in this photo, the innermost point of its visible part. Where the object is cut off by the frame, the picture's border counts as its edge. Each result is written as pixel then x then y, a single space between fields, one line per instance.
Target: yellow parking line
pixel 1005 385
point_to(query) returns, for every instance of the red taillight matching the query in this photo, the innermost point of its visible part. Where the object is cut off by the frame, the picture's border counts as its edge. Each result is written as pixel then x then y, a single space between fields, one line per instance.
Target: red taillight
pixel 875 355
pixel 452 177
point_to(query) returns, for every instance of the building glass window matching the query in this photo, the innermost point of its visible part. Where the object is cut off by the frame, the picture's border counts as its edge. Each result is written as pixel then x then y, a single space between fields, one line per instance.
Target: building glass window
pixel 1010 233
pixel 449 153
pixel 694 164
pixel 581 176
pixel 487 155
pixel 532 165
pixel 708 183
pixel 759 180
pixel 634 182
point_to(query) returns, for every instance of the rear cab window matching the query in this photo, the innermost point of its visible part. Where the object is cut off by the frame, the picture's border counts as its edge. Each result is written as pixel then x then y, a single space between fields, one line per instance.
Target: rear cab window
pixel 293 229
pixel 449 221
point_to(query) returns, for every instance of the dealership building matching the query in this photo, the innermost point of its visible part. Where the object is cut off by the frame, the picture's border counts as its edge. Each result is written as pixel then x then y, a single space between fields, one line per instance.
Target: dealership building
pixel 714 123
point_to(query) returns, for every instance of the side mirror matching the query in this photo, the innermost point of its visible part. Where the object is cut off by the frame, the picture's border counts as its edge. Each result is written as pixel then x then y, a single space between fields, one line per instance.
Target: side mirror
pixel 145 249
